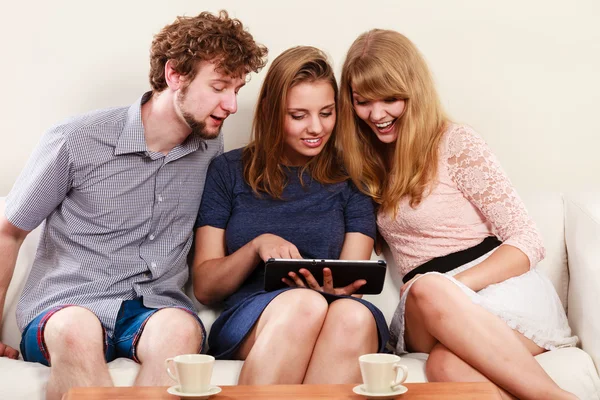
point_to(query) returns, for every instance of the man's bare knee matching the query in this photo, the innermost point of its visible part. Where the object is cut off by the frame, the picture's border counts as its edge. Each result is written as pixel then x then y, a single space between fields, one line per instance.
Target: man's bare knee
pixel 74 330
pixel 175 324
pixel 170 330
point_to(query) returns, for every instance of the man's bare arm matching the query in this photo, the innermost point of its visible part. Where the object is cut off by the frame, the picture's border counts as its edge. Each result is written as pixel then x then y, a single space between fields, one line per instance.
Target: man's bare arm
pixel 11 239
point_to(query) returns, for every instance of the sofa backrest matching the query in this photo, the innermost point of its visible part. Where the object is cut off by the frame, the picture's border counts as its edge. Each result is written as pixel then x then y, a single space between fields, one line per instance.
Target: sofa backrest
pixel 546 208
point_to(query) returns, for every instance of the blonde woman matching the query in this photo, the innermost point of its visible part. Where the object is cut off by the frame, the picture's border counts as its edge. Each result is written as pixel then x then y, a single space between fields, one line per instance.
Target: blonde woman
pixel 285 195
pixel 459 233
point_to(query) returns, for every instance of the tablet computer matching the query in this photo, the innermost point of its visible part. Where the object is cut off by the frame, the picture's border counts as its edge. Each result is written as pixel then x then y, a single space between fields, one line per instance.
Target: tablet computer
pixel 344 272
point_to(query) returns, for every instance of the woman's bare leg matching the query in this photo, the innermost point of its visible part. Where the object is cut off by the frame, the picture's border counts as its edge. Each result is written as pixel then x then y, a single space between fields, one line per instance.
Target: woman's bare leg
pixel 348 332
pixel 437 310
pixel 278 349
pixel 445 366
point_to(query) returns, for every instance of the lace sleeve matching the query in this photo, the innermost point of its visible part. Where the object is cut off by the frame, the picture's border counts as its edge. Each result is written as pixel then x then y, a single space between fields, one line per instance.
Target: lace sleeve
pixel 479 176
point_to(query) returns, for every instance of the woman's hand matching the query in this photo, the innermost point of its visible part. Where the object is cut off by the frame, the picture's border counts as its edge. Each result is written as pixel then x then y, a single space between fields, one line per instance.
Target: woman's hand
pixel 310 281
pixel 272 246
pixel 407 284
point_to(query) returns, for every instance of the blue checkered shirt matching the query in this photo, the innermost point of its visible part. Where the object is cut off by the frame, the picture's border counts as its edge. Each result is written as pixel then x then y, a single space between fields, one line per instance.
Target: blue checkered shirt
pixel 118 218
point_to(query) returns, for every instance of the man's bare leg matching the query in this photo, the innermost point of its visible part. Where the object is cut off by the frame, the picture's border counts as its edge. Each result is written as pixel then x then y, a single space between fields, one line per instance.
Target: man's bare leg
pixel 168 333
pixel 75 341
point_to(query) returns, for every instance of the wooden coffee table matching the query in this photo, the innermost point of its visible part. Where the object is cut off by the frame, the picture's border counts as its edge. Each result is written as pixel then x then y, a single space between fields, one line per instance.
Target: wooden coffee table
pixel 416 391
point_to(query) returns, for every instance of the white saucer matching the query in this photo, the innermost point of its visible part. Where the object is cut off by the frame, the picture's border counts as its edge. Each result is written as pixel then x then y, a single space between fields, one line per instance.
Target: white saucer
pixel 360 390
pixel 198 396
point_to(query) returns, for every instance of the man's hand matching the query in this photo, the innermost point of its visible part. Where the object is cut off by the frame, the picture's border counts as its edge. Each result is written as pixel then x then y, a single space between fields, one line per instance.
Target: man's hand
pixel 297 281
pixel 7 351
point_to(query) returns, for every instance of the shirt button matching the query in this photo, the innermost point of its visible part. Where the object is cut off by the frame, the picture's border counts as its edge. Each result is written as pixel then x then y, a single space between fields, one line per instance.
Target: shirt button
pixel 153 265
pixel 160 198
pixel 152 237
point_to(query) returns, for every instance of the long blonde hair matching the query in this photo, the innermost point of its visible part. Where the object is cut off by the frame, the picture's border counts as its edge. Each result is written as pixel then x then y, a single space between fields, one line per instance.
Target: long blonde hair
pixel 262 157
pixel 383 64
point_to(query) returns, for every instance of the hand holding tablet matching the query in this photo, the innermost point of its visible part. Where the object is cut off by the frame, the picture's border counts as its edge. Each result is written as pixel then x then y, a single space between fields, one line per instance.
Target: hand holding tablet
pixel 343 272
pixel 305 279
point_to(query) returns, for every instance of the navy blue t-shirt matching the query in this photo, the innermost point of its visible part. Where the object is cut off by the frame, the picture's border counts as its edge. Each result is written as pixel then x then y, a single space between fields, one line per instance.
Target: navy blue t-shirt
pixel 312 216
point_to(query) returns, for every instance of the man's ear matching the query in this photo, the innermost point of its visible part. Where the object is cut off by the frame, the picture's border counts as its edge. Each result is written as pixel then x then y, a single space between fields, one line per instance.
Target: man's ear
pixel 173 78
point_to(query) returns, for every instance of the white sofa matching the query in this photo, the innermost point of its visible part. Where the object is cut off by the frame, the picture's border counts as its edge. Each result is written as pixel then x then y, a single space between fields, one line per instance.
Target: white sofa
pixel 571 228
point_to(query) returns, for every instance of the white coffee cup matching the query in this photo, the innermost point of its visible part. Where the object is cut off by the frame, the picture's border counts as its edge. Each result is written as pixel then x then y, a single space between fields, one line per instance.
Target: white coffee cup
pixel 192 372
pixel 380 372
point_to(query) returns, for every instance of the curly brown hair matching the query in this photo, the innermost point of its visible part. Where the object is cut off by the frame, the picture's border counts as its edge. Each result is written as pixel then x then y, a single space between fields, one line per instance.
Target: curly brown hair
pixel 206 37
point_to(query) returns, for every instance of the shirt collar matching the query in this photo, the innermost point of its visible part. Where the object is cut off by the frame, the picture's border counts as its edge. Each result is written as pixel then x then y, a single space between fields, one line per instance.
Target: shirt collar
pixel 132 139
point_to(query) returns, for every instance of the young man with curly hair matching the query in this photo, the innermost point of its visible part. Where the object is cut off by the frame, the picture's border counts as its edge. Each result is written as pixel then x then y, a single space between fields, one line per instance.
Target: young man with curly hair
pixel 119 190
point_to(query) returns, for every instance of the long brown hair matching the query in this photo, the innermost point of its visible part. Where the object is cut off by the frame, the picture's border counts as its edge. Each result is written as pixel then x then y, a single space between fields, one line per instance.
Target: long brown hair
pixel 384 64
pixel 262 157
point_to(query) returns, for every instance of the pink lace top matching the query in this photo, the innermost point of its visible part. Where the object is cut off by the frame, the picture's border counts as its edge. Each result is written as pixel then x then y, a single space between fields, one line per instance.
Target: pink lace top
pixel 473 199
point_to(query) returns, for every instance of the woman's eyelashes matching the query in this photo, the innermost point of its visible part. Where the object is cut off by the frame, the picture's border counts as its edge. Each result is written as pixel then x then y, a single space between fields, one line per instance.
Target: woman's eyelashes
pixel 365 102
pixel 299 117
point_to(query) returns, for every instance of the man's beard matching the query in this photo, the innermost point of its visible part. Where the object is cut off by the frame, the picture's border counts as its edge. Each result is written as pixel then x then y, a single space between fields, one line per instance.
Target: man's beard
pixel 198 127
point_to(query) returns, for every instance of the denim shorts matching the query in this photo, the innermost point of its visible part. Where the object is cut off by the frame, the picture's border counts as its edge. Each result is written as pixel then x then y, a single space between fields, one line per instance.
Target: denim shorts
pixel 129 326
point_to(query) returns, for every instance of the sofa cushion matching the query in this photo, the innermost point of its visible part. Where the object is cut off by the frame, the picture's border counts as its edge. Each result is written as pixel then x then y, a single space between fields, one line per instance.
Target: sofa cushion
pixel 225 372
pixel 573 370
pixel 546 209
pixel 25 380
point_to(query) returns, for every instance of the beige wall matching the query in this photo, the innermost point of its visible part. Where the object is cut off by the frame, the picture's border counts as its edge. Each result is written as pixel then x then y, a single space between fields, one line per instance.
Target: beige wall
pixel 524 73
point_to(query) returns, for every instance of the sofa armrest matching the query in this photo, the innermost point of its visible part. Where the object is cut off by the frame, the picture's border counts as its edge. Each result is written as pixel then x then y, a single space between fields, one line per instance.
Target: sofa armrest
pixel 582 235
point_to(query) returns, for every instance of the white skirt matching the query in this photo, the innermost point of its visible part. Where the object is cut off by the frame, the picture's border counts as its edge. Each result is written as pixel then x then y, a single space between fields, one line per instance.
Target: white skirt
pixel 527 303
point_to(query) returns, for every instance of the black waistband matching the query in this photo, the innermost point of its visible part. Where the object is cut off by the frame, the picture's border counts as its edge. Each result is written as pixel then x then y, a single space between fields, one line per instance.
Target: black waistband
pixel 449 262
